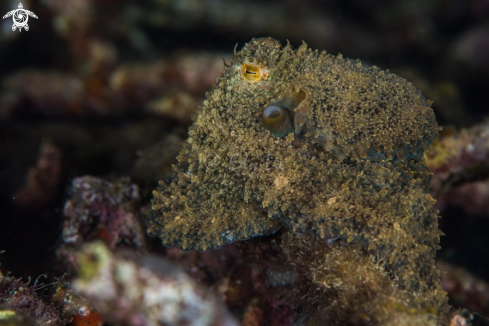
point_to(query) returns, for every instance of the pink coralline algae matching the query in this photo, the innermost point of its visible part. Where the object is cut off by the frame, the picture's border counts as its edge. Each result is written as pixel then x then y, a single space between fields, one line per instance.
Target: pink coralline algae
pixel 452 152
pixel 473 197
pixel 23 299
pixel 147 290
pixel 99 209
pixel 232 273
pixel 52 304
pixel 464 289
pixel 460 161
pixel 71 306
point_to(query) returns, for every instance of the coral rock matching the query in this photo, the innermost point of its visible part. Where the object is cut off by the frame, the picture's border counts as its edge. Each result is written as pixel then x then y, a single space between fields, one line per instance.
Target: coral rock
pixel 132 290
pixel 23 299
pixel 104 210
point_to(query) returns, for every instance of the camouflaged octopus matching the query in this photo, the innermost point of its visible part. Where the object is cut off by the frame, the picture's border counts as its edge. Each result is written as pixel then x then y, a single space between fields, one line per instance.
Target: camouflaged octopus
pixel 316 143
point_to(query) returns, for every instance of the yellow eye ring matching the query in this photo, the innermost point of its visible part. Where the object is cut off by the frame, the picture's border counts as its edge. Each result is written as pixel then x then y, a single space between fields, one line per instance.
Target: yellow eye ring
pixel 276 120
pixel 252 72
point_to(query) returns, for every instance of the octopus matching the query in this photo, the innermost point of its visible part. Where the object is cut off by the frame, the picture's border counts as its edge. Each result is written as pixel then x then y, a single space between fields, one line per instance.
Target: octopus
pixel 316 144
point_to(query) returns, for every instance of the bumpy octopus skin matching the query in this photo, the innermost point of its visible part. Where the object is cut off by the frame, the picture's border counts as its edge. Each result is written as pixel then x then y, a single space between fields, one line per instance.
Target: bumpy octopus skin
pixel 339 154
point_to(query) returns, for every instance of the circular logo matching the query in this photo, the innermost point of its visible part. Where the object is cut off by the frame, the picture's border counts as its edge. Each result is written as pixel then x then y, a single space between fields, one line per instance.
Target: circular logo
pixel 20 18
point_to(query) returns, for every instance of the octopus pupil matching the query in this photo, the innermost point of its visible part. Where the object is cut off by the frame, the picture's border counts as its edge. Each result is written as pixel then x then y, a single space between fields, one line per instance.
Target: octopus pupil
pixel 272 112
pixel 250 72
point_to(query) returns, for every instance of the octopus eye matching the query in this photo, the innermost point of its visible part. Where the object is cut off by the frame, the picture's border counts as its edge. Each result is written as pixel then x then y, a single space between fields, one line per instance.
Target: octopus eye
pixel 251 72
pixel 276 120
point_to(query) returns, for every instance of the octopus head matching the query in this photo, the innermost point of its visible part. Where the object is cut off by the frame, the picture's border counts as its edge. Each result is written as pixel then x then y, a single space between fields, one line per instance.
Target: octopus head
pixel 291 138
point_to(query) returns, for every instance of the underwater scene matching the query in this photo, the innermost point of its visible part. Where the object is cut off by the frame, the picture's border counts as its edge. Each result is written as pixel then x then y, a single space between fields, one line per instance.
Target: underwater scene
pixel 254 163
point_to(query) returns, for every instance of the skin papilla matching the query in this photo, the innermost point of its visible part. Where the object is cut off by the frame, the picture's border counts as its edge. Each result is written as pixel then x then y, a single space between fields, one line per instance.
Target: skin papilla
pixel 351 167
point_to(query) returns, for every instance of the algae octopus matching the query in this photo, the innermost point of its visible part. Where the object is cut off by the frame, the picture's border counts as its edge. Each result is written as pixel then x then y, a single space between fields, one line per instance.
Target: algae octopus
pixel 316 143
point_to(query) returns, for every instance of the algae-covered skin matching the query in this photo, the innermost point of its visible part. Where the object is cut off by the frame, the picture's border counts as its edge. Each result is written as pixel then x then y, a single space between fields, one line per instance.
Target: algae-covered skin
pixel 313 142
